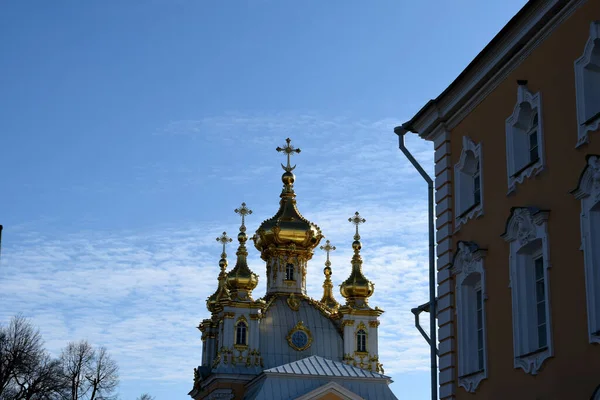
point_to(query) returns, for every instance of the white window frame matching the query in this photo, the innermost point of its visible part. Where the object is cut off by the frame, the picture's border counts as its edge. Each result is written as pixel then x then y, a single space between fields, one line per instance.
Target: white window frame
pixel 585 122
pixel 467 263
pixel 465 205
pixel 527 234
pixel 517 140
pixel 588 191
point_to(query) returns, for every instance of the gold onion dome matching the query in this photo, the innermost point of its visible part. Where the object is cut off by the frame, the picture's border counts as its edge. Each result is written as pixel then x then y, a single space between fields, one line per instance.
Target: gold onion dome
pixel 222 292
pixel 241 280
pixel 356 289
pixel 287 227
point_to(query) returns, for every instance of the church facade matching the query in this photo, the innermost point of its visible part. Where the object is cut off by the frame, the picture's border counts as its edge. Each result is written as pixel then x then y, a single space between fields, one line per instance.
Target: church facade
pixel 287 345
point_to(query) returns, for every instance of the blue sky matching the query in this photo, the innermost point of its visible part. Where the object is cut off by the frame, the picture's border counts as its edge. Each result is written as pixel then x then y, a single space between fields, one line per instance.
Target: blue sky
pixel 131 130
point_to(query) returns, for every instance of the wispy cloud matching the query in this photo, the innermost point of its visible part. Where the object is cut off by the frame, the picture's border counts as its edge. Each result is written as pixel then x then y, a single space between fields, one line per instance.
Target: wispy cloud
pixel 141 292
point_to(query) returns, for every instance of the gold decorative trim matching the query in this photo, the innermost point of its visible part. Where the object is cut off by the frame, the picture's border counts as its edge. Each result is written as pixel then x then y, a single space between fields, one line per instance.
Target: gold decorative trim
pixel 293 302
pixel 228 315
pixel 300 327
pixel 374 324
pixel 348 322
pixel 254 316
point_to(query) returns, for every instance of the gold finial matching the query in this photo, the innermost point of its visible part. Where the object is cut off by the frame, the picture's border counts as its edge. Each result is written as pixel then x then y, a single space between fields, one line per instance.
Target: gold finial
pixel 288 149
pixel 241 280
pixel 224 239
pixel 357 220
pixel 243 211
pixel 328 299
pixel 327 247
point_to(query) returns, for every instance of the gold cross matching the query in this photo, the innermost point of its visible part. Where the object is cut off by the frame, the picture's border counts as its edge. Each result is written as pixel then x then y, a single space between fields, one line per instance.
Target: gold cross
pixel 224 239
pixel 288 149
pixel 357 220
pixel 328 247
pixel 243 211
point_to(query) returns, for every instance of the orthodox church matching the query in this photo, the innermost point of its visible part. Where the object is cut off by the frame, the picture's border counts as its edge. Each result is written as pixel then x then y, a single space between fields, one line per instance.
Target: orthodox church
pixel 287 345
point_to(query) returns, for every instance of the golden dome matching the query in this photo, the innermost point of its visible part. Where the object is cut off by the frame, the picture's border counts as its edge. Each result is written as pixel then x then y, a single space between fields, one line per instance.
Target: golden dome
pixel 287 227
pixel 356 289
pixel 241 280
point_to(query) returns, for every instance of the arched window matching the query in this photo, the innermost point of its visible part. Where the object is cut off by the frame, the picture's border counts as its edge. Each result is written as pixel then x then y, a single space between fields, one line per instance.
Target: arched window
pixel 587 84
pixel 241 334
pixel 469 184
pixel 532 133
pixel 361 341
pixel 524 138
pixel 289 272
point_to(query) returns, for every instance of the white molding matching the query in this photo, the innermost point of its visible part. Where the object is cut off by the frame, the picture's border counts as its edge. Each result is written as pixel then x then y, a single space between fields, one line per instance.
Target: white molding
pixel 588 191
pixel 592 46
pixel 468 261
pixel 527 234
pixel 333 388
pixel 452 107
pixel 463 182
pixel 527 105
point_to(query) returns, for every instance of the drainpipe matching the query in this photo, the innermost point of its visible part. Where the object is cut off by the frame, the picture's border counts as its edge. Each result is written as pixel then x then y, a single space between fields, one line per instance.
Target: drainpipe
pixel 401 131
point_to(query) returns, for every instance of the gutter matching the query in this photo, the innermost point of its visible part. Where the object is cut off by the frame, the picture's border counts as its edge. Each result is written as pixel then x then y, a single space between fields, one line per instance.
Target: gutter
pixel 401 131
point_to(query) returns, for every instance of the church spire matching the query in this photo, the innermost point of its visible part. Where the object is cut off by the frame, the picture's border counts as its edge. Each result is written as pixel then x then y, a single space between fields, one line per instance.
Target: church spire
pixel 241 280
pixel 356 289
pixel 222 292
pixel 328 299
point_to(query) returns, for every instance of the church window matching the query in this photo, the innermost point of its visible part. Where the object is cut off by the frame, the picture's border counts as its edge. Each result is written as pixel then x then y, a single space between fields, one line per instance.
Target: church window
pixel 361 341
pixel 469 274
pixel 527 234
pixel 587 85
pixel 588 191
pixel 289 272
pixel 241 334
pixel 469 183
pixel 524 138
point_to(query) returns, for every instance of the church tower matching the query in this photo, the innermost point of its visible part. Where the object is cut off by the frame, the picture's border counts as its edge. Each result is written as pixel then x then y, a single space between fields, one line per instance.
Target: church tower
pixel 286 241
pixel 287 341
pixel 360 322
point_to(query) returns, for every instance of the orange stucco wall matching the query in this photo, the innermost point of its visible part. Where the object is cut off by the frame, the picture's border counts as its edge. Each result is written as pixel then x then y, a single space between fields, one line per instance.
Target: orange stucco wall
pixel 574 371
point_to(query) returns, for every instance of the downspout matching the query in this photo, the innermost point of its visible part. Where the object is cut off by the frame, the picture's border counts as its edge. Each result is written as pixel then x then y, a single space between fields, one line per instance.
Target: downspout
pixel 401 131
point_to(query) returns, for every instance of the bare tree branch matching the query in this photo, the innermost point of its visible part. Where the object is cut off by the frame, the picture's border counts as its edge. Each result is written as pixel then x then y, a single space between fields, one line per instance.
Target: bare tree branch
pixel 20 348
pixel 104 375
pixel 145 396
pixel 76 360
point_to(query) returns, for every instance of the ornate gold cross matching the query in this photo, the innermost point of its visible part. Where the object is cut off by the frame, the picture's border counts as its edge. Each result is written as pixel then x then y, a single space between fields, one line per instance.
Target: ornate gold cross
pixel 357 220
pixel 243 211
pixel 327 247
pixel 288 149
pixel 224 239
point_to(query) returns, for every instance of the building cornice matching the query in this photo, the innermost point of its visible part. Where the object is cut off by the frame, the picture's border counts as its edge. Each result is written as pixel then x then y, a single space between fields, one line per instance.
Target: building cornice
pixel 519 37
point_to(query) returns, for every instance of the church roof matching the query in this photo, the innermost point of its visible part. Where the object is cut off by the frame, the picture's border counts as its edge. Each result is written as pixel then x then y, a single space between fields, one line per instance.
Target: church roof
pixel 315 365
pixel 300 378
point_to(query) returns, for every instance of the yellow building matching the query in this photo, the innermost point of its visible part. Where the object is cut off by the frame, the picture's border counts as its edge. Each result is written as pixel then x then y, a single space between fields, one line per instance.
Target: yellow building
pixel 517 193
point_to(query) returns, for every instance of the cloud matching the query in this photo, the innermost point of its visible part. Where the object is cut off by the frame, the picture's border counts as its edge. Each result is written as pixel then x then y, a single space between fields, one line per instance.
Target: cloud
pixel 141 292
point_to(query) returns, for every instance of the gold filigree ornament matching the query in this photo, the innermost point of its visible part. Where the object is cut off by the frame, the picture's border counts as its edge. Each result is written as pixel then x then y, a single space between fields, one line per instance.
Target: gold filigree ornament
pixel 293 302
pixel 299 337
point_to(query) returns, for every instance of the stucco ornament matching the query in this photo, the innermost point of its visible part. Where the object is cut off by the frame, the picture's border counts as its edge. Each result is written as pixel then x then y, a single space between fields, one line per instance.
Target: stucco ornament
pixel 525 228
pixel 464 260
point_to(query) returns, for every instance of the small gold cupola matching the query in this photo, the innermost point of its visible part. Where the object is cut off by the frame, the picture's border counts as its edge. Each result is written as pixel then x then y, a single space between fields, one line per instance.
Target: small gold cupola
pixel 287 228
pixel 328 300
pixel 222 292
pixel 241 280
pixel 357 289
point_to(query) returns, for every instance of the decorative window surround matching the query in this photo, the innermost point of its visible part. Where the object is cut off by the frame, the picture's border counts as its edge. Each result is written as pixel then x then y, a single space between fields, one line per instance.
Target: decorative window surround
pixel 520 164
pixel 468 175
pixel 588 191
pixel 587 86
pixel 527 233
pixel 469 273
